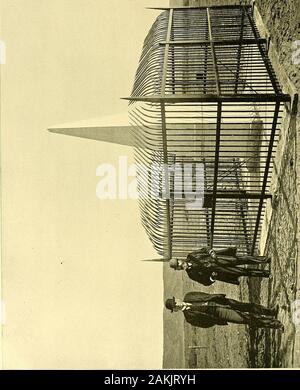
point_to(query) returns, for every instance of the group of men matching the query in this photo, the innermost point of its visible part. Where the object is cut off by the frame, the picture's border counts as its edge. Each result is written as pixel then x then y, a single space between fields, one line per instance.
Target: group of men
pixel 206 266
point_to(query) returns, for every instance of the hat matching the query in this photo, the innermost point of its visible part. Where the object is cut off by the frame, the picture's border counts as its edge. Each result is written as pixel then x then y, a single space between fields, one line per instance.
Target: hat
pixel 170 304
pixel 173 263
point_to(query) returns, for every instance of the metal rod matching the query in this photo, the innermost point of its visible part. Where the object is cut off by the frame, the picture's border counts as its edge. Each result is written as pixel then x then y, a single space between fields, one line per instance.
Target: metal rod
pixel 239 53
pixel 267 165
pixel 206 62
pixel 212 98
pixel 237 195
pixel 263 55
pixel 166 54
pixel 241 207
pixel 216 169
pixel 219 42
pixel 199 7
pixel 294 107
pixel 213 53
pixel 165 140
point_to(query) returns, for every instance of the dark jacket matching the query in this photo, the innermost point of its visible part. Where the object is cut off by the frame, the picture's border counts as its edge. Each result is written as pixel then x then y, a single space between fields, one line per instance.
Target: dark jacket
pixel 203 265
pixel 199 319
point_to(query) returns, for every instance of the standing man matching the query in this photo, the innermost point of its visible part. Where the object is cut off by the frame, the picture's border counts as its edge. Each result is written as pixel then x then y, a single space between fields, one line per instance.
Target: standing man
pixel 206 265
pixel 206 310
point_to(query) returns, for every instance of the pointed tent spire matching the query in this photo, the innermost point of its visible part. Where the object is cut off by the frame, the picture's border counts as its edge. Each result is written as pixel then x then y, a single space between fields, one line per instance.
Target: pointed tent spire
pixel 114 129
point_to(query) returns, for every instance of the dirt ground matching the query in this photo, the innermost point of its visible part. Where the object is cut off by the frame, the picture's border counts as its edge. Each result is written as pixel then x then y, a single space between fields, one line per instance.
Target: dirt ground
pixel 239 346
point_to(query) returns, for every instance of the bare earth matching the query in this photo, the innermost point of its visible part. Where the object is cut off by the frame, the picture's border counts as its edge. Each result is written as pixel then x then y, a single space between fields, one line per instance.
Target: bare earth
pixel 234 345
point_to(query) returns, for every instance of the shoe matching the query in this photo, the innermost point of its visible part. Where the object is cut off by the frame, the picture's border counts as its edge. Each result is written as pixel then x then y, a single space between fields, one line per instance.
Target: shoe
pixel 281 328
pixel 275 310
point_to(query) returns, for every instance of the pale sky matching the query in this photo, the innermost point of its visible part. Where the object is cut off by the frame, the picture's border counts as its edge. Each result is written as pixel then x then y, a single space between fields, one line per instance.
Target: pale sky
pixel 75 292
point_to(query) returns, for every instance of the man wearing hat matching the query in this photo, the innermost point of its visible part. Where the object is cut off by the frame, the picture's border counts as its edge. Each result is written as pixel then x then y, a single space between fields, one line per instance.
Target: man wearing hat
pixel 206 310
pixel 206 265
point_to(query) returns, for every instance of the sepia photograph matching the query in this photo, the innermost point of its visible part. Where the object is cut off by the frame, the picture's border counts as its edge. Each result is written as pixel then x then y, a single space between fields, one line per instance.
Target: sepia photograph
pixel 150 185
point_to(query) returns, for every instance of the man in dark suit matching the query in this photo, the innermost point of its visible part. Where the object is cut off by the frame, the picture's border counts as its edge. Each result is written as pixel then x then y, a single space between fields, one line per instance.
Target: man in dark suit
pixel 206 310
pixel 206 265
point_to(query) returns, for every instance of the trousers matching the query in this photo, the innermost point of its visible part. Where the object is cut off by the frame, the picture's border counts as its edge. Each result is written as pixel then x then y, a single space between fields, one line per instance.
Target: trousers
pixel 245 313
